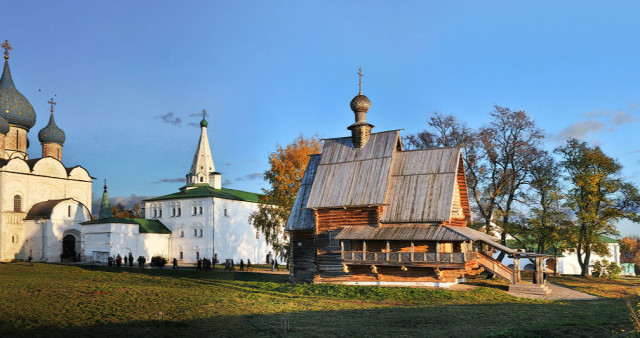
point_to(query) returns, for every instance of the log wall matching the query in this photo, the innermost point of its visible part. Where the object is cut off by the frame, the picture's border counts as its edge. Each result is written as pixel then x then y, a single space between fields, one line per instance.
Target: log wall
pixel 303 256
pixel 331 221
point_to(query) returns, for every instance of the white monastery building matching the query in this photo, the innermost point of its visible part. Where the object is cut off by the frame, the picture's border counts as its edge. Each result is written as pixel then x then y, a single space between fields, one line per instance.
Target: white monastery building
pixel 201 220
pixel 207 220
pixel 42 200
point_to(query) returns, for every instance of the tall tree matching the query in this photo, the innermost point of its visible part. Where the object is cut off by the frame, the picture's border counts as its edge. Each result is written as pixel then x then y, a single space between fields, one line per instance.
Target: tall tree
pixel 599 197
pixel 510 145
pixel 287 166
pixel 549 223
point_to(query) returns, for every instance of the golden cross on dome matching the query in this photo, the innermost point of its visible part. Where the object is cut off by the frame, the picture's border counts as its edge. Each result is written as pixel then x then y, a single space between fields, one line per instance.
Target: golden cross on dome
pixel 52 103
pixel 204 113
pixel 7 48
pixel 360 80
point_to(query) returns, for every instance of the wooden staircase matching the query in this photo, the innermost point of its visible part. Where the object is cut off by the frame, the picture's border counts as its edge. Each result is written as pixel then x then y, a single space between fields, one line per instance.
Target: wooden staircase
pixel 496 267
pixel 505 272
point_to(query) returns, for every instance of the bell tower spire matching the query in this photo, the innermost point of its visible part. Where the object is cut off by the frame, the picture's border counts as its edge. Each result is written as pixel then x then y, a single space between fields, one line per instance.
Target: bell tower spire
pixel 203 171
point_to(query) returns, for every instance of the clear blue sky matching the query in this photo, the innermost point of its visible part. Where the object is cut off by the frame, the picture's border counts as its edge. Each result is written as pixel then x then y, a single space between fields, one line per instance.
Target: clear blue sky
pixel 267 71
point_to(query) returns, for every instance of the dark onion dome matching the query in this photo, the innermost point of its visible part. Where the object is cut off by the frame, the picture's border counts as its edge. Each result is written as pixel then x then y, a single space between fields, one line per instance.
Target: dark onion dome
pixel 51 133
pixel 4 126
pixel 360 103
pixel 203 123
pixel 14 107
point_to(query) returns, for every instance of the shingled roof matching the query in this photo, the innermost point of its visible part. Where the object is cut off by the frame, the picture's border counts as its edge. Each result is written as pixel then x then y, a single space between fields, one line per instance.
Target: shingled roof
pixel 349 176
pixel 300 217
pixel 415 186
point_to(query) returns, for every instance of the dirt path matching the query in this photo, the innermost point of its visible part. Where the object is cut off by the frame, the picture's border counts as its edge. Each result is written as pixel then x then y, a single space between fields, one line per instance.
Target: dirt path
pixel 558 293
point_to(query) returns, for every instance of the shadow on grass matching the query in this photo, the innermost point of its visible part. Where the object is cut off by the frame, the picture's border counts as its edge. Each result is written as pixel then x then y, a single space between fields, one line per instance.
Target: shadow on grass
pixel 605 318
pixel 194 274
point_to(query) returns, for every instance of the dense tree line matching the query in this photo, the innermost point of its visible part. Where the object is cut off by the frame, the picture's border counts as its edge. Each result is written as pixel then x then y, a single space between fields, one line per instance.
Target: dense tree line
pixel 519 189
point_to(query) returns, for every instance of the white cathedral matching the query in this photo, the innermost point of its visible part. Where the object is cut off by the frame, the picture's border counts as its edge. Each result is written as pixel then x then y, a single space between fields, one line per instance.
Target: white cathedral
pixel 42 200
pixel 46 206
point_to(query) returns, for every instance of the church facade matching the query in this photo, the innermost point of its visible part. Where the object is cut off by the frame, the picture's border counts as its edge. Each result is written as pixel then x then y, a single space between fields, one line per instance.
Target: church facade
pixel 42 201
pixel 205 219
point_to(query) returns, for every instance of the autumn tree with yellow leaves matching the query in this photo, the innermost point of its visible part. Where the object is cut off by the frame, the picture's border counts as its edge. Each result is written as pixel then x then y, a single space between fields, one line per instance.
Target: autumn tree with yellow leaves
pixel 287 166
pixel 598 196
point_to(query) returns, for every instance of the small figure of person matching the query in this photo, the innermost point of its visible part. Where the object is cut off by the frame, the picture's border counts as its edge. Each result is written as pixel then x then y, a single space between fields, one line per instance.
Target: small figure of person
pixel 199 264
pixel 118 260
pixel 249 267
pixel 30 259
pixel 110 261
pixel 241 265
pixel 175 263
pixel 275 264
pixel 130 260
pixel 125 260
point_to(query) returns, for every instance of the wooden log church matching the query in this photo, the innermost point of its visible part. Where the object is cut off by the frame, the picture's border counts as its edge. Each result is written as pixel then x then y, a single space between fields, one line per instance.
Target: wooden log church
pixel 369 212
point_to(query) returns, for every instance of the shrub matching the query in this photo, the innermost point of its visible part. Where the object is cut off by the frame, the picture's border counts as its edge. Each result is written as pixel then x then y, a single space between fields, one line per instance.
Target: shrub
pixel 605 268
pixel 614 270
pixel 158 261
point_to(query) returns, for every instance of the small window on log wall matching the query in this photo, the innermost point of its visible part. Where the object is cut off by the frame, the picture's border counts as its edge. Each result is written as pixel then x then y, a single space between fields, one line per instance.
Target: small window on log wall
pixel 333 242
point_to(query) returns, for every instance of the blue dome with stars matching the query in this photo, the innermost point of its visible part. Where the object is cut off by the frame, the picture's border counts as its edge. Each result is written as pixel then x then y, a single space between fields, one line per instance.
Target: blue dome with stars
pixel 14 107
pixel 51 133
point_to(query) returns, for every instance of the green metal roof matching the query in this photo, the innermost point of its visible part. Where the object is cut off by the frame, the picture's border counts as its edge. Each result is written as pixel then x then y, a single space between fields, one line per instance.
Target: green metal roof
pixel 514 244
pixel 605 239
pixel 146 226
pixel 209 191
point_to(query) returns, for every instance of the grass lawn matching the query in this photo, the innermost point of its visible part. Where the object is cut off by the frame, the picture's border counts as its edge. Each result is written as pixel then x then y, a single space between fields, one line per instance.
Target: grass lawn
pixel 65 300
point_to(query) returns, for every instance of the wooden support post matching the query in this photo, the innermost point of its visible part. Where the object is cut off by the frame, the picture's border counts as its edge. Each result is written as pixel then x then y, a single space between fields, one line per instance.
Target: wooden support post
pixel 412 251
pixel 388 248
pixel 437 251
pixel 342 250
pixel 364 250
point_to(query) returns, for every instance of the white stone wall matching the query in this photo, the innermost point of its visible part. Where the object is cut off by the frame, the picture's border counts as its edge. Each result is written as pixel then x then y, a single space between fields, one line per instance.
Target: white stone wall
pixel 235 237
pixel 48 180
pixel 122 239
pixel 195 235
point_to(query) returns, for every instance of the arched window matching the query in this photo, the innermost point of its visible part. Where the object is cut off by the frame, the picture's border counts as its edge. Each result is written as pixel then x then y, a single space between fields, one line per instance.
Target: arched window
pixel 201 179
pixel 17 203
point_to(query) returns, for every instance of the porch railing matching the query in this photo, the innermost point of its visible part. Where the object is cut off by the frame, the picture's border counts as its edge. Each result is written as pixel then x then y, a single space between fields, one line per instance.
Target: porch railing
pixel 409 257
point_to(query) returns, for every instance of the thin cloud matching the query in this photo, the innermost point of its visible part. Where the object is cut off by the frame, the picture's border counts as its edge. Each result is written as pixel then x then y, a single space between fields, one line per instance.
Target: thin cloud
pixel 170 180
pixel 597 121
pixel 199 114
pixel 579 130
pixel 170 118
pixel 250 177
pixel 621 118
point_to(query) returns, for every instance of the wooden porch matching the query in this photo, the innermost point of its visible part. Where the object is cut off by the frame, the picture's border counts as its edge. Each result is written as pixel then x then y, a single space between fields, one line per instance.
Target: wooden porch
pixel 407 258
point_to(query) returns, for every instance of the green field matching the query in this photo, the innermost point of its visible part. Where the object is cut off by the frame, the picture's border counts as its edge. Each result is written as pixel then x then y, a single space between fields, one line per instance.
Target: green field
pixel 65 300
